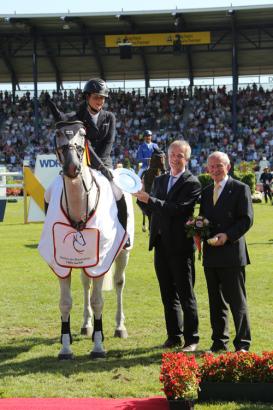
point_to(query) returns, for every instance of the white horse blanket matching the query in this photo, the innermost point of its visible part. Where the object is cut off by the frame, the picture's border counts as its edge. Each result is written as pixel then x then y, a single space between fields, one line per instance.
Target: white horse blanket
pixel 130 219
pixel 93 249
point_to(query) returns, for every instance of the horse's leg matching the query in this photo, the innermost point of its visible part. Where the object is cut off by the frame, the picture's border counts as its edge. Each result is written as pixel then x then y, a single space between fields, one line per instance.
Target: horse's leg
pixel 144 228
pixel 97 306
pixel 87 327
pixel 119 281
pixel 65 308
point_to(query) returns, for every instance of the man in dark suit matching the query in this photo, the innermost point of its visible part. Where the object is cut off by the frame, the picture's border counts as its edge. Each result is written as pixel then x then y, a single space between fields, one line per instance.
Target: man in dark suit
pixel 266 178
pixel 170 204
pixel 227 205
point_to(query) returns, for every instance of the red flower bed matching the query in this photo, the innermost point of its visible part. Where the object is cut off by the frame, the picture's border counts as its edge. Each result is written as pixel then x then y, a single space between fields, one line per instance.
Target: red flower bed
pixel 238 367
pixel 14 191
pixel 181 374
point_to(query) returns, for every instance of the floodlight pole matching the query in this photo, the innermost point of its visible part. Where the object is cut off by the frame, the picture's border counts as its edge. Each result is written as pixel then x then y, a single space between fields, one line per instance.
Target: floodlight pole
pixel 234 73
pixel 147 85
pixel 191 78
pixel 13 84
pixel 35 81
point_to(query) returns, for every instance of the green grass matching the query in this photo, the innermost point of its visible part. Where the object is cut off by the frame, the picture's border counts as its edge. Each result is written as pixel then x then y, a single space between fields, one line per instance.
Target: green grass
pixel 30 319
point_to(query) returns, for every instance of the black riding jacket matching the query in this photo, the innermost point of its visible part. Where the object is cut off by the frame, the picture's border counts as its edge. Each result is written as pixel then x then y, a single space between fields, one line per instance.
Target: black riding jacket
pixel 100 136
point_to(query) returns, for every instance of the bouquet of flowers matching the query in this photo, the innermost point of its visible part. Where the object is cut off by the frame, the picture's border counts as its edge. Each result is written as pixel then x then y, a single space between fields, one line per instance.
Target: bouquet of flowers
pixel 180 376
pixel 198 228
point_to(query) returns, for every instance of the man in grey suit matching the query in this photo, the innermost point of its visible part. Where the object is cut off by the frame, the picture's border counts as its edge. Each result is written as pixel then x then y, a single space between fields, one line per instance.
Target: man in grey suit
pixel 227 205
pixel 170 204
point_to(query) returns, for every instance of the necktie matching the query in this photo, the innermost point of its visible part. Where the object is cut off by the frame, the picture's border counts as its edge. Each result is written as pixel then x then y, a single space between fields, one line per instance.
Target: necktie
pixel 216 190
pixel 171 182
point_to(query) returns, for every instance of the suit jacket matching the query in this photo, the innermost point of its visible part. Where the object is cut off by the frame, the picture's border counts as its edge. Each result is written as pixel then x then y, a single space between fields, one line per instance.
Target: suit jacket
pixel 233 215
pixel 170 211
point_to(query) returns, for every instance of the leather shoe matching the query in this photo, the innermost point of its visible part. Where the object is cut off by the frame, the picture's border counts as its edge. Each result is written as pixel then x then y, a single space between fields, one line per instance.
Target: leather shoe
pixel 215 349
pixel 172 342
pixel 189 348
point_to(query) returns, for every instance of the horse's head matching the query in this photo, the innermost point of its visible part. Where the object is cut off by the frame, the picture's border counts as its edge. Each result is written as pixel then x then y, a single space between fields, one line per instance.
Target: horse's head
pixel 69 145
pixel 156 168
pixel 157 161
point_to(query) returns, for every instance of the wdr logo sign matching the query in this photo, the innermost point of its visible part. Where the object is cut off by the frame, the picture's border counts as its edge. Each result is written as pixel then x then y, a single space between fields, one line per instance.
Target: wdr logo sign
pixel 48 163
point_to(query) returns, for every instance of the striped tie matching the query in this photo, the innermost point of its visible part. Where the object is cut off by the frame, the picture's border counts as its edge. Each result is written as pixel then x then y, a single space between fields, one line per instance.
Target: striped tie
pixel 216 190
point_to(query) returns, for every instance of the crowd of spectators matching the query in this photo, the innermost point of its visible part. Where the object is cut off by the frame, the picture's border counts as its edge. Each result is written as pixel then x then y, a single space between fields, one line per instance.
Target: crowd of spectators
pixel 204 120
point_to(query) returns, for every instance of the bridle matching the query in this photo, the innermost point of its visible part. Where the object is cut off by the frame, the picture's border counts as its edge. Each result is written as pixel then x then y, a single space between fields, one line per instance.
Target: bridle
pixel 63 151
pixel 65 133
pixel 65 148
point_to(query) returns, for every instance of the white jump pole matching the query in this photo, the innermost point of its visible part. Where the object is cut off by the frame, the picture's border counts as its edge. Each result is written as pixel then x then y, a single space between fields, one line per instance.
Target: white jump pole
pixel 4 185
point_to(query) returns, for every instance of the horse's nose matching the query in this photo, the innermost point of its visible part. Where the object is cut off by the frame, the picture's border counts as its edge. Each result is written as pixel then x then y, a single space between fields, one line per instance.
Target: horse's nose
pixel 72 170
pixel 72 165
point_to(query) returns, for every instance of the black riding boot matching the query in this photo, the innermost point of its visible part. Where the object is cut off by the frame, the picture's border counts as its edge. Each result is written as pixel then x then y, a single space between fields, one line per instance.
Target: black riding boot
pixel 122 212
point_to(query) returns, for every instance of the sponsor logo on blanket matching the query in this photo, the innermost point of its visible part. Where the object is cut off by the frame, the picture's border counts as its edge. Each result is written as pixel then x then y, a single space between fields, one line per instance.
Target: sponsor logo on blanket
pixel 75 249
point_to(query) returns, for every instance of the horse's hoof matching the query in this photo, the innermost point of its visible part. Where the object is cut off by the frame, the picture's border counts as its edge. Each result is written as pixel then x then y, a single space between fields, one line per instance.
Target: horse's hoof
pixel 98 355
pixel 86 331
pixel 66 356
pixel 121 333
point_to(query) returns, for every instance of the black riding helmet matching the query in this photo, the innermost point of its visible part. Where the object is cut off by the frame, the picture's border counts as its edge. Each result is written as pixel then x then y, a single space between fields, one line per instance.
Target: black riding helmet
pixel 96 86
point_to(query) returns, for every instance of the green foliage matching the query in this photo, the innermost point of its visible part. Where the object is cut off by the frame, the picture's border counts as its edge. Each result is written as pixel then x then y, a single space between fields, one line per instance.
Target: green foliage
pixel 244 172
pixel 126 163
pixel 205 180
pixel 247 178
pixel 246 167
pixel 30 319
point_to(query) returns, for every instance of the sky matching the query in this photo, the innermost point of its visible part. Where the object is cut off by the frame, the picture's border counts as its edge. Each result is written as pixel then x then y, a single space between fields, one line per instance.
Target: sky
pixel 89 6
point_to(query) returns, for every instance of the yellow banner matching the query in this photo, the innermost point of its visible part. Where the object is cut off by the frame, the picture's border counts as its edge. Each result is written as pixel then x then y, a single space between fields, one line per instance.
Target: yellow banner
pixel 33 187
pixel 158 39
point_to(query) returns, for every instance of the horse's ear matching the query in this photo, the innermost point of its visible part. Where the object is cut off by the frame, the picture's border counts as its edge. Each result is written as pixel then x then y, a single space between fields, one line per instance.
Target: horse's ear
pixel 61 124
pixel 158 152
pixel 82 132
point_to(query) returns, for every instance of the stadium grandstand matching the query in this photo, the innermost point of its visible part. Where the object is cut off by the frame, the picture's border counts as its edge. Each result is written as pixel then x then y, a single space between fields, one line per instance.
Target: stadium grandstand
pixel 177 47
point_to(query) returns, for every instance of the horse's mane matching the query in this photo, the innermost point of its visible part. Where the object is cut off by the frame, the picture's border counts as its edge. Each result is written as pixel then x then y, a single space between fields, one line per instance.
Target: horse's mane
pixel 156 168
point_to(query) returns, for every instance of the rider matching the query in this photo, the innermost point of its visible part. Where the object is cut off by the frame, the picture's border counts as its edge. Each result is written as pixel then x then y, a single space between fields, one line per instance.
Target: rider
pixel 100 128
pixel 145 151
